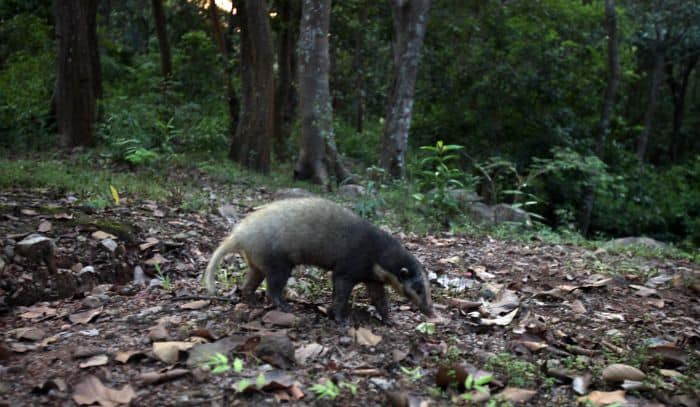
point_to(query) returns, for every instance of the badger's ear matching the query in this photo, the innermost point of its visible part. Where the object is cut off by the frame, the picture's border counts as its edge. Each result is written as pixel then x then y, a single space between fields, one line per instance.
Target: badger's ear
pixel 404 273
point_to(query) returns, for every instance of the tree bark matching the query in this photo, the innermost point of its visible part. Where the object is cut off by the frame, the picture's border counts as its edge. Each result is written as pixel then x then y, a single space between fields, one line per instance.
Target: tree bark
pixel 166 62
pixel 359 70
pixel 74 94
pixel 410 20
pixel 654 82
pixel 234 105
pixel 678 91
pixel 314 94
pixel 216 30
pixel 286 94
pixel 608 105
pixel 94 49
pixel 252 142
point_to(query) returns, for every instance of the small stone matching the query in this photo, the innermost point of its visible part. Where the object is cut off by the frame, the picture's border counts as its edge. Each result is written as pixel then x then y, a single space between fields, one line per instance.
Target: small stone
pixel 155 283
pixel 139 276
pixel 109 244
pixel 381 382
pixel 35 246
pixel 345 340
pixel 91 301
pixel 351 190
pixel 9 251
pixel 86 270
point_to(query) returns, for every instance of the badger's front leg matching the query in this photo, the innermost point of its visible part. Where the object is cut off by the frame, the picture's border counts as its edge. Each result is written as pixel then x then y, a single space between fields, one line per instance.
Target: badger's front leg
pixel 378 298
pixel 342 287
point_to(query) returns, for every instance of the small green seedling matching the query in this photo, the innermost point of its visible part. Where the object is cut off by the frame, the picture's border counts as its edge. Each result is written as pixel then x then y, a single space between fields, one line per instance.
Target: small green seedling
pixel 327 390
pixel 415 374
pixel 260 380
pixel 479 384
pixel 426 328
pixel 241 385
pixel 350 386
pixel 167 282
pixel 218 363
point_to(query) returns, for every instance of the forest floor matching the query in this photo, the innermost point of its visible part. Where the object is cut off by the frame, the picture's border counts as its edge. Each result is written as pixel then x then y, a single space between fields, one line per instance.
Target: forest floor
pixel 528 322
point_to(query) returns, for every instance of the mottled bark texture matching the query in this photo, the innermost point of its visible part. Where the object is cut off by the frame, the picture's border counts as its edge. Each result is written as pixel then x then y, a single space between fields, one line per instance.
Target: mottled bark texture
pixel 317 153
pixel 286 97
pixel 608 105
pixel 166 62
pixel 252 142
pixel 410 21
pixel 216 31
pixel 76 91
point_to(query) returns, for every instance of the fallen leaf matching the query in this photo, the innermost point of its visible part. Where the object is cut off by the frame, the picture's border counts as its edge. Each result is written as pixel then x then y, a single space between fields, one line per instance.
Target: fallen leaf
pixel 200 354
pixel 450 260
pixel 85 317
pixel 91 390
pixel 533 346
pixel 158 333
pixel 602 398
pixel 156 259
pixel 50 384
pixel 464 305
pixel 63 216
pixel 169 352
pixel 29 333
pixel 100 235
pixel 506 300
pixel 194 305
pixel 580 384
pixel 502 321
pixel 308 352
pixel 21 347
pixel 98 360
pixel 203 333
pixel 44 226
pixel 28 212
pixel 126 356
pixel 150 242
pixel 282 319
pixel 618 372
pixel 669 353
pixel 516 395
pixel 643 291
pixel 162 375
pixel 364 336
pixel 578 307
pixel 38 311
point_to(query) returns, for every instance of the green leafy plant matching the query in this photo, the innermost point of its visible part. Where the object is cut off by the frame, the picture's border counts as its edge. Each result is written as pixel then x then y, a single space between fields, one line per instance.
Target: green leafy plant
pixel 165 279
pixel 414 374
pixel 476 384
pixel 519 373
pixel 427 328
pixel 218 363
pixel 326 390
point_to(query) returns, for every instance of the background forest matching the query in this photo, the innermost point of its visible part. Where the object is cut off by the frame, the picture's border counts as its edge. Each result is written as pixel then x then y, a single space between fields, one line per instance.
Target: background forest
pixel 586 114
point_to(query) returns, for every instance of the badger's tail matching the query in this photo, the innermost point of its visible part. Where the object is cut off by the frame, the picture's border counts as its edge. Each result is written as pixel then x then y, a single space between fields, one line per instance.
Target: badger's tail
pixel 227 246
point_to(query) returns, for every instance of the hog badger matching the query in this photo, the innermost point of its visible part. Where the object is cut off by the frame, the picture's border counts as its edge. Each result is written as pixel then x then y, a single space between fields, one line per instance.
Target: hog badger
pixel 318 232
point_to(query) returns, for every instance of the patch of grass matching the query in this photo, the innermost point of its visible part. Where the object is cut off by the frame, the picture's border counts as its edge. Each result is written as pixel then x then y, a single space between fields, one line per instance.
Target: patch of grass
pixel 519 373
pixel 76 175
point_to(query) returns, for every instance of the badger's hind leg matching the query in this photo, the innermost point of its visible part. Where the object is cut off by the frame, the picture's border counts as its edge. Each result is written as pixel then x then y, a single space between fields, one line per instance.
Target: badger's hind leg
pixel 278 272
pixel 254 278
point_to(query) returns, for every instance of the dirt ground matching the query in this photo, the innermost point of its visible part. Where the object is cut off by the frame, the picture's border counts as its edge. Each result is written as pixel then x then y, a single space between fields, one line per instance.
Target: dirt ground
pixel 535 323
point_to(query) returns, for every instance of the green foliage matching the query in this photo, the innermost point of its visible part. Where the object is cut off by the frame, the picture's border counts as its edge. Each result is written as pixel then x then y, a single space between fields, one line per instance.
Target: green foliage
pixel 427 328
pixel 437 176
pixel 326 390
pixel 414 374
pixel 164 278
pixel 476 384
pixel 518 372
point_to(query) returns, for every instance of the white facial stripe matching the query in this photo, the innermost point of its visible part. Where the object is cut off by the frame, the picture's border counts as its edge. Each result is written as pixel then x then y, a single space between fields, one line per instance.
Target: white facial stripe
pixel 388 278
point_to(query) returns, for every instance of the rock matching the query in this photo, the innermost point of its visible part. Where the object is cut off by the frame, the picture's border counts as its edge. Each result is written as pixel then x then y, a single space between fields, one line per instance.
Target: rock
pixel 35 247
pixel 109 244
pixel 229 213
pixel 288 193
pixel 9 250
pixel 381 382
pixel 91 301
pixel 86 270
pixel 507 213
pixel 139 276
pixel 480 212
pixel 638 241
pixel 276 350
pixel 351 190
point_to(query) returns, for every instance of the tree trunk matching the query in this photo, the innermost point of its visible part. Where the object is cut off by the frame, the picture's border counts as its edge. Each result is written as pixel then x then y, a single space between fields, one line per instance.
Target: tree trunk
pixel 314 95
pixel 359 70
pixel 608 106
pixel 654 82
pixel 234 106
pixel 410 20
pixel 166 63
pixel 94 49
pixel 285 94
pixel 678 92
pixel 216 30
pixel 74 94
pixel 252 142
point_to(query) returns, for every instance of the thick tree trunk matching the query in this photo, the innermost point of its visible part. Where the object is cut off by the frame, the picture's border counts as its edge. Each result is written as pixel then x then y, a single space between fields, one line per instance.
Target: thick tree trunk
pixel 74 94
pixel 359 70
pixel 234 105
pixel 315 106
pixel 608 106
pixel 410 20
pixel 285 94
pixel 216 30
pixel 166 62
pixel 94 49
pixel 679 89
pixel 252 142
pixel 654 82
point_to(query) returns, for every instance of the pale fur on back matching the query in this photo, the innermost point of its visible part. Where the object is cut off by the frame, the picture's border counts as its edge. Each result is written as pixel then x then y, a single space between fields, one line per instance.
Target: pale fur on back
pixel 293 227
